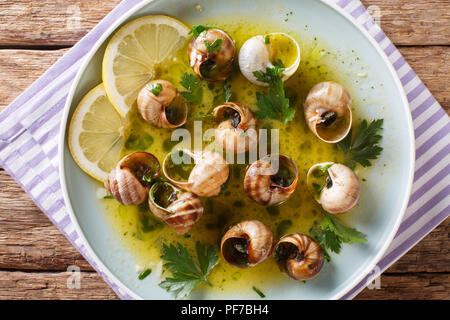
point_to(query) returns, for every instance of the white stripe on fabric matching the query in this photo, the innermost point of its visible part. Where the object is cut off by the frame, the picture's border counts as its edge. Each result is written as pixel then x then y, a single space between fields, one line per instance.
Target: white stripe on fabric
pixel 424 95
pixel 424 116
pixel 352 6
pixel 404 69
pixel 410 86
pixel 401 238
pixel 434 190
pixel 394 56
pixel 438 125
pixel 54 99
pixel 59 215
pixel 441 144
pixel 69 228
pixel 385 43
pixel 431 173
pixel 50 124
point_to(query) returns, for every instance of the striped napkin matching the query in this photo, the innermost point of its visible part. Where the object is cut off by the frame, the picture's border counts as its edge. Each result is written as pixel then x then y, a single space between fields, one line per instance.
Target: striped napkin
pixel 29 130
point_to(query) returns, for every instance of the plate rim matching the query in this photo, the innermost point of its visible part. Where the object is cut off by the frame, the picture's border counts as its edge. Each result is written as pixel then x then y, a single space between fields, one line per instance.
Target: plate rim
pixel 63 128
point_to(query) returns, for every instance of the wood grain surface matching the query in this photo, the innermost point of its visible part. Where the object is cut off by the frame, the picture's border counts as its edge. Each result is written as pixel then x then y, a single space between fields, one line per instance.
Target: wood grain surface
pixel 34 256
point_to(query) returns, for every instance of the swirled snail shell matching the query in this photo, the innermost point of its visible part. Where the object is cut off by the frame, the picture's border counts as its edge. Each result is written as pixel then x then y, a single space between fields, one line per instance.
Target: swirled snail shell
pixel 237 130
pixel 328 111
pixel 128 182
pixel 247 244
pixel 207 175
pixel 161 105
pixel 269 186
pixel 299 256
pixel 211 64
pixel 335 186
pixel 179 210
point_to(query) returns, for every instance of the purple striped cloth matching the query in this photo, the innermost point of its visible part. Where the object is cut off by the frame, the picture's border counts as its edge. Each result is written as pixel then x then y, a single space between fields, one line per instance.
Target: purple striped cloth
pixel 29 130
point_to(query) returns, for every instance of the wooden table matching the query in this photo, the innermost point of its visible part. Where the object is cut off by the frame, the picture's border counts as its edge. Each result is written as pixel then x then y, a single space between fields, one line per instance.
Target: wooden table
pixel 34 256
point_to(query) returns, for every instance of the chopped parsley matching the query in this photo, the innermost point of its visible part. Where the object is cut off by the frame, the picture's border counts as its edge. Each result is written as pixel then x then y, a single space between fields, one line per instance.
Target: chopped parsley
pixel 364 147
pixel 274 105
pixel 194 91
pixel 330 233
pixel 259 292
pixel 108 197
pixel 187 274
pixel 145 274
pixel 215 46
pixel 198 29
pixel 155 88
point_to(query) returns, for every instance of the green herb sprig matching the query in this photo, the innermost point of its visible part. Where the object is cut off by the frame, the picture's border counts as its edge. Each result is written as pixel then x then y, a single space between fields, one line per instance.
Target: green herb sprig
pixel 198 29
pixel 187 274
pixel 145 274
pixel 330 233
pixel 364 147
pixel 194 91
pixel 155 88
pixel 216 46
pixel 259 292
pixel 273 105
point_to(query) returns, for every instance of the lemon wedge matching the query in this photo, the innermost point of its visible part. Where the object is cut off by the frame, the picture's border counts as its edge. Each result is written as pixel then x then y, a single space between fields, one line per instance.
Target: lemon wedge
pixel 134 53
pixel 96 134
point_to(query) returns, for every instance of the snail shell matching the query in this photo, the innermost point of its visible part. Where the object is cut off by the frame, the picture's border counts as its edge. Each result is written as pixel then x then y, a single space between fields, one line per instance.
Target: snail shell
pixel 300 256
pixel 237 130
pixel 268 186
pixel 179 210
pixel 128 181
pixel 341 190
pixel 208 175
pixel 212 66
pixel 247 244
pixel 167 109
pixel 328 111
pixel 257 55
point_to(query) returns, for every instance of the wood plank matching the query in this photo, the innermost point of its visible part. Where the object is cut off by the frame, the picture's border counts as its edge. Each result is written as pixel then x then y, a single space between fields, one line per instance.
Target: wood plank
pixel 52 286
pixel 22 67
pixel 421 286
pixel 54 23
pixel 432 65
pixel 50 22
pixel 45 285
pixel 405 22
pixel 29 241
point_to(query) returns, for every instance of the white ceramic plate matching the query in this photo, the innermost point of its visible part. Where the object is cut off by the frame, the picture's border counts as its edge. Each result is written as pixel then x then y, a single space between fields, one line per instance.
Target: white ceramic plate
pixel 385 193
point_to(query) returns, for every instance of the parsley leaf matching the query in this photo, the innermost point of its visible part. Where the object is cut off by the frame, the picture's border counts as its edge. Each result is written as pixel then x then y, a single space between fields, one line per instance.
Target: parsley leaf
pixel 271 75
pixel 224 96
pixel 215 46
pixel 187 274
pixel 145 274
pixel 155 88
pixel 330 233
pixel 365 145
pixel 259 292
pixel 274 105
pixel 195 91
pixel 198 29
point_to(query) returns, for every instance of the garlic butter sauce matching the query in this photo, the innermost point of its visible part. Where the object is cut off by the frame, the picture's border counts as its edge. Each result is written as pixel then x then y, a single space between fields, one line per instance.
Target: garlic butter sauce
pixel 143 234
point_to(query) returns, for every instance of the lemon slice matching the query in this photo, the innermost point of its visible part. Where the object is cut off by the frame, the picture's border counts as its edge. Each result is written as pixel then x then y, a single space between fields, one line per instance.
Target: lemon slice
pixel 134 53
pixel 96 134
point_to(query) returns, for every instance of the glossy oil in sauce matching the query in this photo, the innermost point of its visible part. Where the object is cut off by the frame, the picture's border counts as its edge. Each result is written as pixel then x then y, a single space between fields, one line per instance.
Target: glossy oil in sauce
pixel 143 235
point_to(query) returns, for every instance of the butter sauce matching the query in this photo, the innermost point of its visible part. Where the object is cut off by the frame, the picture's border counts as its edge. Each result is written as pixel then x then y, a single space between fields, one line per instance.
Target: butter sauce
pixel 143 234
